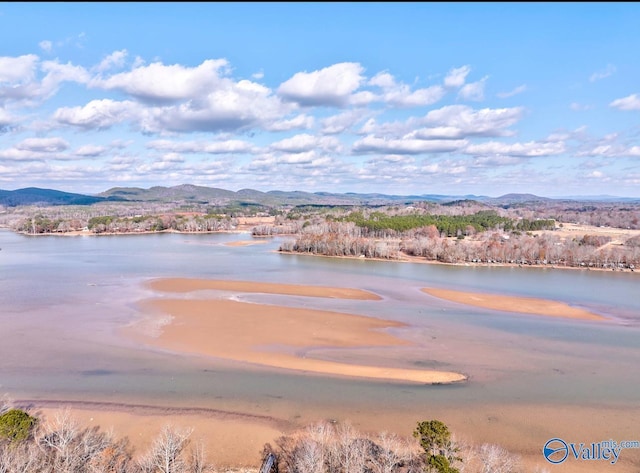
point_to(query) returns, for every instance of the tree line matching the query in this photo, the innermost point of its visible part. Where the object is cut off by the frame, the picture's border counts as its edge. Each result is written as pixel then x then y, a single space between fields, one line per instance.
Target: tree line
pixel 335 238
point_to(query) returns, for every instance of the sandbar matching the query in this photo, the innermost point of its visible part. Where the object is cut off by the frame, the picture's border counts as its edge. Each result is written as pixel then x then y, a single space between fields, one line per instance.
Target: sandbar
pixel 245 242
pixel 274 336
pixel 526 305
pixel 182 285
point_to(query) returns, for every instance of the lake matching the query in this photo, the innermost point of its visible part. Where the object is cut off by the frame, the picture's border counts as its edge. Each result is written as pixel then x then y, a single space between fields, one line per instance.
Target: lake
pixel 63 301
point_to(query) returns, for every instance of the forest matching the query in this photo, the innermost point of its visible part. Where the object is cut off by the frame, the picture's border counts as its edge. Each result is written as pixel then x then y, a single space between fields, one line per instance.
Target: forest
pixel 456 232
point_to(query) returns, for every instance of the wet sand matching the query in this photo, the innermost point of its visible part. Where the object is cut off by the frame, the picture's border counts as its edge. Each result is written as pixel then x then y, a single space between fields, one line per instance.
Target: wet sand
pixel 273 336
pixel 182 285
pixel 245 242
pixel 525 305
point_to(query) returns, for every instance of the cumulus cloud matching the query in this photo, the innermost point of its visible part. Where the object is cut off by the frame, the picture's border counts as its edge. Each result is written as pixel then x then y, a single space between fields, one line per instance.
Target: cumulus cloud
pixel 17 70
pixel 511 93
pixel 160 83
pixel 210 147
pixel 330 86
pixel 456 77
pixel 90 151
pixel 454 121
pixel 603 74
pixel 114 60
pixel 342 122
pixel 528 150
pixel 401 95
pixel 44 145
pixel 299 122
pixel 610 149
pixel 5 118
pixel 231 107
pixel 473 91
pixel 372 144
pixel 97 114
pixel 631 102
pixel 19 82
pixel 305 142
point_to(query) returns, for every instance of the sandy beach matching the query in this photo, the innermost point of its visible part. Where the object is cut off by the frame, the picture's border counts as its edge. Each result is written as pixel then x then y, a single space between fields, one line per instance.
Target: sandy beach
pixel 525 305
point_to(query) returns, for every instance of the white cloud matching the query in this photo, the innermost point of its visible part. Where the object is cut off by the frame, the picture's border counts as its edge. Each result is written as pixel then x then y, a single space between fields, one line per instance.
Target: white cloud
pixel 457 121
pixel 400 95
pixel 371 144
pixel 257 75
pixel 634 151
pixel 342 122
pixel 159 83
pixel 529 149
pixel 5 119
pixel 17 70
pixel 98 114
pixel 18 80
pixel 511 93
pixel 330 86
pixel 230 107
pixel 90 151
pixel 114 60
pixel 210 147
pixel 305 142
pixel 43 145
pixel 632 102
pixel 603 74
pixel 456 77
pixel 300 122
pixel 494 161
pixel 473 91
pixel 611 149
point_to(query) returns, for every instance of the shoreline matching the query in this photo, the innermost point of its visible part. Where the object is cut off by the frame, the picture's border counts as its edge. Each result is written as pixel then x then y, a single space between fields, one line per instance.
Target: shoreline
pixel 404 259
pixel 466 264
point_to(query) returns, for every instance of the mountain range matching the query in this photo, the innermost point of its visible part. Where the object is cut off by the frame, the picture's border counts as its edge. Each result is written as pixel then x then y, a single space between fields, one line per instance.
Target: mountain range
pixel 191 194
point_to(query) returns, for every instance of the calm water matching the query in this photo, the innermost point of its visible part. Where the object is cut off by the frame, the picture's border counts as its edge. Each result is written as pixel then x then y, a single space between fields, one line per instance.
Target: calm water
pixel 63 299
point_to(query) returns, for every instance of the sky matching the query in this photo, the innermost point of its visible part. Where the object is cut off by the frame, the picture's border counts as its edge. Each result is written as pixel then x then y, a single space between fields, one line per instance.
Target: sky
pixel 393 98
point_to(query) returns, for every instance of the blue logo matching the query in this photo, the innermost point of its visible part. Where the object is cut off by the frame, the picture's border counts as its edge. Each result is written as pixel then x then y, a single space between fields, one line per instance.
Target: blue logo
pixel 555 451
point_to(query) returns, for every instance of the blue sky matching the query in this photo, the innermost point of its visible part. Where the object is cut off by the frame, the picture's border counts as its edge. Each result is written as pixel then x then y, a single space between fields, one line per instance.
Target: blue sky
pixel 396 98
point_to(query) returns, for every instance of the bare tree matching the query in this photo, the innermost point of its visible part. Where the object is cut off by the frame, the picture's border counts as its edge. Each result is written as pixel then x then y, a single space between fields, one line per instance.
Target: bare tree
pixel 166 453
pixel 496 459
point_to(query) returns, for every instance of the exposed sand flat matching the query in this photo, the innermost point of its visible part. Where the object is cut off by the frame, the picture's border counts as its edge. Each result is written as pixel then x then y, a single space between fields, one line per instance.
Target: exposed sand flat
pixel 526 305
pixel 189 285
pixel 245 242
pixel 273 336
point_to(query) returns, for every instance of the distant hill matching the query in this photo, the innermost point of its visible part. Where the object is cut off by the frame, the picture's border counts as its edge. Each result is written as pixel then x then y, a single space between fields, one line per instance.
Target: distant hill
pixel 37 196
pixel 181 193
pixel 191 194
